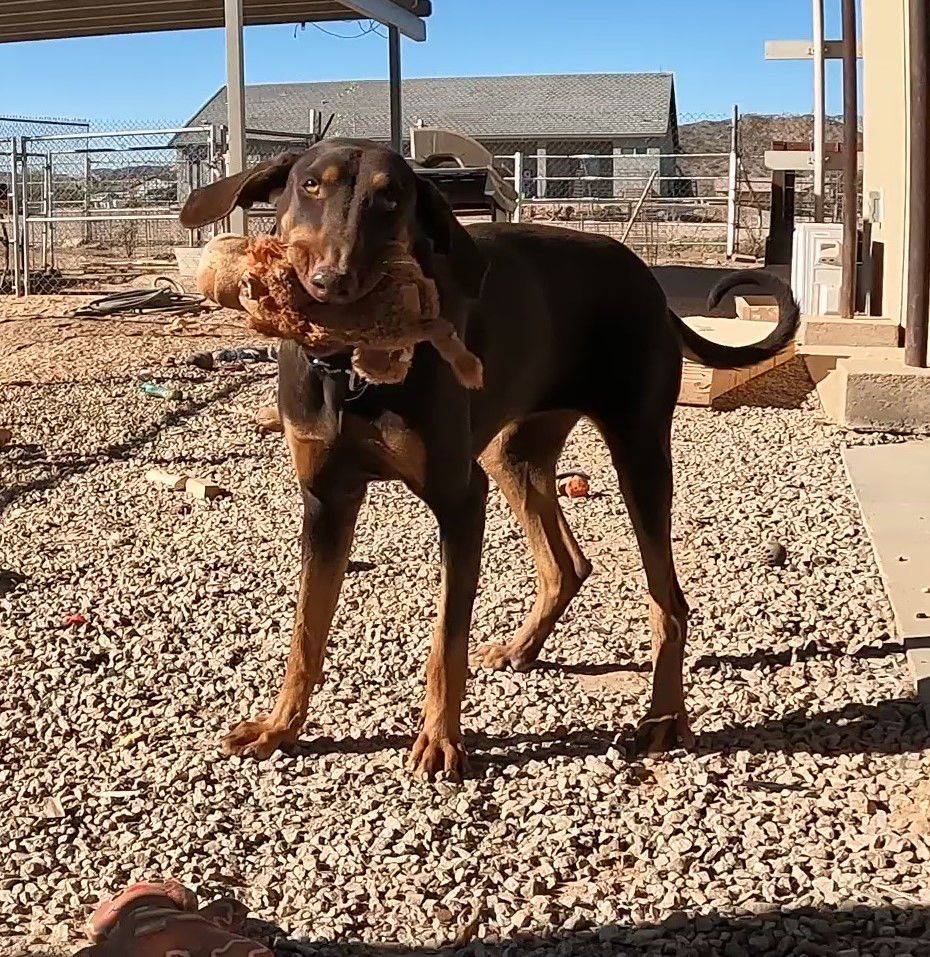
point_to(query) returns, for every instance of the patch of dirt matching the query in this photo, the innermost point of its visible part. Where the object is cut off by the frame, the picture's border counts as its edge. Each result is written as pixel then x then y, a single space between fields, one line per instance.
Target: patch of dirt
pixel 42 342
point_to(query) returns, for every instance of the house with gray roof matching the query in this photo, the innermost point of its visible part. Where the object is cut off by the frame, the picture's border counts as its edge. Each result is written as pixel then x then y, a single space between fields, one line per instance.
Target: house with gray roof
pixel 630 117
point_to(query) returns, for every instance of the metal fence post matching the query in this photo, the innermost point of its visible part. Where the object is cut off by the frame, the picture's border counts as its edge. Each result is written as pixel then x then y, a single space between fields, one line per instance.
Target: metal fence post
pixel 24 144
pixel 518 183
pixel 88 227
pixel 47 226
pixel 14 212
pixel 732 185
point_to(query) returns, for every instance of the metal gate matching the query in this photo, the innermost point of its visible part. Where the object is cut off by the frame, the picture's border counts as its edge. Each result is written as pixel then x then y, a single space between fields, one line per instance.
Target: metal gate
pixel 90 205
pixel 9 218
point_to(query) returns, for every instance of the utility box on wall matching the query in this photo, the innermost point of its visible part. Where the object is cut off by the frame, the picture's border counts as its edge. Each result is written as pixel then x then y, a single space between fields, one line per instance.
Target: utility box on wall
pixel 816 267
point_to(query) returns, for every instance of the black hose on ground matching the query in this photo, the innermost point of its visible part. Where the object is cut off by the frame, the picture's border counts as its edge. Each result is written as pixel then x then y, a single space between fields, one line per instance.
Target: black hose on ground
pixel 168 297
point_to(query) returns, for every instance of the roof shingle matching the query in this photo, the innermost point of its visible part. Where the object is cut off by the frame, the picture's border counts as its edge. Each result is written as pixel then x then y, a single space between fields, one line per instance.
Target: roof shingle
pixel 505 107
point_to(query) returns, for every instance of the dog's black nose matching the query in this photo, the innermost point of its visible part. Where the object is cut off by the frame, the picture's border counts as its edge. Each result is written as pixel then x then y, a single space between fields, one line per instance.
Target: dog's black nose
pixel 329 284
pixel 323 280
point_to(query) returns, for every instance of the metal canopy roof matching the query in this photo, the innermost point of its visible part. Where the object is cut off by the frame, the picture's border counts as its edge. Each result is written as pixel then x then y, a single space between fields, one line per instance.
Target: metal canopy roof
pixel 56 19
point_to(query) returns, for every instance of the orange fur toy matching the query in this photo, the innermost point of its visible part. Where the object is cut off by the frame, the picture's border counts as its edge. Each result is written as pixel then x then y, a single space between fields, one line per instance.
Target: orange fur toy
pixel 382 327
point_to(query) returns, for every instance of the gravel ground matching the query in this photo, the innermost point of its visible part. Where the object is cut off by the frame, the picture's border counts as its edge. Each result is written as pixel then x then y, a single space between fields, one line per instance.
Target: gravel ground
pixel 800 825
pixel 42 342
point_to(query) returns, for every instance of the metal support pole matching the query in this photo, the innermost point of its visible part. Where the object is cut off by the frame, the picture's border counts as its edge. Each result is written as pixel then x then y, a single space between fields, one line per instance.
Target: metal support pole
pixel 850 162
pixel 235 102
pixel 518 183
pixel 918 246
pixel 731 188
pixel 397 136
pixel 820 109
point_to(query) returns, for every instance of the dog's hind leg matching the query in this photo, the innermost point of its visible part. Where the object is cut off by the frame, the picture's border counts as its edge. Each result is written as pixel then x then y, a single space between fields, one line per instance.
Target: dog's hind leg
pixel 522 460
pixel 642 458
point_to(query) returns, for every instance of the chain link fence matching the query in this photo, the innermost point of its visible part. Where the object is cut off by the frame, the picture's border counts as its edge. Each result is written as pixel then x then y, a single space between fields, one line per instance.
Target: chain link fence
pixel 702 193
pixel 96 204
pixel 90 206
pixel 98 207
pixel 667 196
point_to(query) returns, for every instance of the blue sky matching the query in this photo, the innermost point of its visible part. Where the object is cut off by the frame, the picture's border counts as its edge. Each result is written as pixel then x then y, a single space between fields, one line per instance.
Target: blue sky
pixel 714 47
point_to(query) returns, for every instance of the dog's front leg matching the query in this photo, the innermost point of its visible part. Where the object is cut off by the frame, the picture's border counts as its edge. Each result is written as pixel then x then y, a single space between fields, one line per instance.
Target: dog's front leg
pixel 330 513
pixel 461 529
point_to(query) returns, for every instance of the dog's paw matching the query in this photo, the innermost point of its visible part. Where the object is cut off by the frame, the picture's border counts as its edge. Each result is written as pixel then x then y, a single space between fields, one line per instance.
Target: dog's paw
pixel 662 733
pixel 258 739
pixel 502 657
pixel 431 756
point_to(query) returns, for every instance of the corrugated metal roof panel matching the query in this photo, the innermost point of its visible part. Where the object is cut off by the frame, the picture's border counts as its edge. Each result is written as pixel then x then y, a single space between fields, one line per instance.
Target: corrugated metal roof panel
pixel 56 19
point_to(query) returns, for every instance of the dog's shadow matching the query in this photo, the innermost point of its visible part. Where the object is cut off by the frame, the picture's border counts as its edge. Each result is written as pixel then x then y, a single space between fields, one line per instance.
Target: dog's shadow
pixel 897 726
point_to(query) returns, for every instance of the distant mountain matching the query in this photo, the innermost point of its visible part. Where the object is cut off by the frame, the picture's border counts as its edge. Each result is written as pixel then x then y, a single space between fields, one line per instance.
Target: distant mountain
pixel 757 132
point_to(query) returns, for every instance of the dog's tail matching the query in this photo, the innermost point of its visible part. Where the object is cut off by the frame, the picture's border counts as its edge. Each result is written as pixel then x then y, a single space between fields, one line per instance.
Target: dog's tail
pixel 719 356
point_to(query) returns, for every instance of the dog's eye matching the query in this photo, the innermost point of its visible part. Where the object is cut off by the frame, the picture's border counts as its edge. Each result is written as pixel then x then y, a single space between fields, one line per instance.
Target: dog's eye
pixel 312 186
pixel 387 204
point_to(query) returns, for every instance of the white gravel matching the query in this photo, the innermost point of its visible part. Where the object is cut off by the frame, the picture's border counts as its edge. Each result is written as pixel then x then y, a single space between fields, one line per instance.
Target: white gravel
pixel 800 826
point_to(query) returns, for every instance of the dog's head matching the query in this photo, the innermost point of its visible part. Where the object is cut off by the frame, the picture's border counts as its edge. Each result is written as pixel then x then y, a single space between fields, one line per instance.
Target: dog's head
pixel 342 207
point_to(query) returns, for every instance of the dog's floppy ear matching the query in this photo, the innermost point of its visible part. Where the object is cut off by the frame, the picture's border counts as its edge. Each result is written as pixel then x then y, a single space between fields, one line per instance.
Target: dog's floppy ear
pixel 209 204
pixel 448 238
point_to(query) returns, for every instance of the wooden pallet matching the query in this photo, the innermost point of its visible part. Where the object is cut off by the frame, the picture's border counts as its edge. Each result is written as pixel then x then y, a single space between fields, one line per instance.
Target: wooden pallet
pixel 701 385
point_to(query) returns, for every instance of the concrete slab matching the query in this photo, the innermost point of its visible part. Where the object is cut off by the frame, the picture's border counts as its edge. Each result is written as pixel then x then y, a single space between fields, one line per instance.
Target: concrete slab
pixel 884 396
pixel 863 331
pixel 869 388
pixel 892 485
pixel 821 362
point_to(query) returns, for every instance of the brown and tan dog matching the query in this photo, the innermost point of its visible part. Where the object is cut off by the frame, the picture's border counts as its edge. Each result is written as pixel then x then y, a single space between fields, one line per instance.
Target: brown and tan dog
pixel 156 920
pixel 567 325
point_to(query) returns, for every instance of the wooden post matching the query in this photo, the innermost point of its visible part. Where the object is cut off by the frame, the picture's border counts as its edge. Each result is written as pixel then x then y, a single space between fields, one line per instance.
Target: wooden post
pixel 542 170
pixel 850 162
pixel 781 225
pixel 918 257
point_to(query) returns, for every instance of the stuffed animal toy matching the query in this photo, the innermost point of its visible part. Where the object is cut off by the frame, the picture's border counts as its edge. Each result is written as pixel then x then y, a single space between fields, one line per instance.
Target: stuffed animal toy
pixel 152 920
pixel 256 276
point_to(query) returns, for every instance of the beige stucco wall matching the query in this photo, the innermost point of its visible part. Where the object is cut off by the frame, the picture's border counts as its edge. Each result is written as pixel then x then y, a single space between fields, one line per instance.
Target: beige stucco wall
pixel 885 138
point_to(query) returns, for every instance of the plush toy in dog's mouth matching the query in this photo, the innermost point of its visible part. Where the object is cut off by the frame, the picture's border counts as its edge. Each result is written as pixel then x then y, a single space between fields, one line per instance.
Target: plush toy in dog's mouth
pixel 382 327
